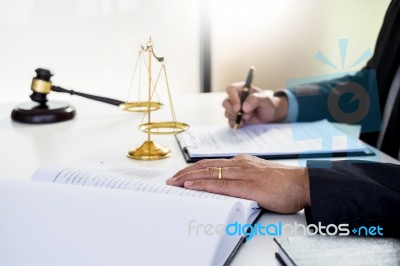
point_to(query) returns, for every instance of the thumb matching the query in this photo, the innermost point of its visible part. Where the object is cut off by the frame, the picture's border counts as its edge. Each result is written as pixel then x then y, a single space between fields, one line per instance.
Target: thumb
pixel 250 104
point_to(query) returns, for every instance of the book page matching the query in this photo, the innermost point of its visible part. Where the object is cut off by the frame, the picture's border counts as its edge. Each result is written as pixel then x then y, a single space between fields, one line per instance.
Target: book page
pixel 127 178
pixel 54 224
pixel 267 139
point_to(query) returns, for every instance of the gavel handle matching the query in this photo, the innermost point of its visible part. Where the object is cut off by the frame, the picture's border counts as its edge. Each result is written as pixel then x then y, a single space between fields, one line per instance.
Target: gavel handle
pixel 89 96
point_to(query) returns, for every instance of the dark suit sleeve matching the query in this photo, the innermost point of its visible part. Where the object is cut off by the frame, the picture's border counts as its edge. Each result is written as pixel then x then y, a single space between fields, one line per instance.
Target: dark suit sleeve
pixel 358 193
pixel 335 99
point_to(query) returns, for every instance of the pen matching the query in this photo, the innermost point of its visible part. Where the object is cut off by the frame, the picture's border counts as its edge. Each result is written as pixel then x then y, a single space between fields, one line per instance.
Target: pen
pixel 245 93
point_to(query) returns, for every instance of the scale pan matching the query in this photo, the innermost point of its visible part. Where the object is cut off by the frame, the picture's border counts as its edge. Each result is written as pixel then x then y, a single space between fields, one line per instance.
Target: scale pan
pixel 164 128
pixel 140 106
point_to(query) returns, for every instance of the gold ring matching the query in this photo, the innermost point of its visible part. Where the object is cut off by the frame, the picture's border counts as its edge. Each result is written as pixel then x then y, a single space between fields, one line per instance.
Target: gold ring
pixel 219 177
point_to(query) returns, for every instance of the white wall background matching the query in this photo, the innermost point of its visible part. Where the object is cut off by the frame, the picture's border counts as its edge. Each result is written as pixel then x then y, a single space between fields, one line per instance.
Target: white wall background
pixel 91 45
pixel 281 37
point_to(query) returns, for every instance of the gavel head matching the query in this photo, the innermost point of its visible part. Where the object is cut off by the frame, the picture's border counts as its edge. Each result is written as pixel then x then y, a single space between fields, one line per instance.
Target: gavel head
pixel 41 85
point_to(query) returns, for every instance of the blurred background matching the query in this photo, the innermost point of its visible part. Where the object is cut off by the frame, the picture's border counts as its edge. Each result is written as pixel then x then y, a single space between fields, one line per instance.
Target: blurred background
pixel 92 45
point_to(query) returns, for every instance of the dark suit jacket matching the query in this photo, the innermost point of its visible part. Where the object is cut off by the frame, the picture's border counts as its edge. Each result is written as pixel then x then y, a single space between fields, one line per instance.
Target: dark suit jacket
pixel 363 193
pixel 358 193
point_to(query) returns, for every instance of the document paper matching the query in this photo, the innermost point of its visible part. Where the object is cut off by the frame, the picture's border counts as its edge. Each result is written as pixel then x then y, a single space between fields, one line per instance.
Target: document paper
pixel 268 139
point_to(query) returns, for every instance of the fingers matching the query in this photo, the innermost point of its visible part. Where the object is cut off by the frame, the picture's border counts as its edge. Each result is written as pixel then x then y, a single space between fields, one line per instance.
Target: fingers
pixel 233 101
pixel 208 169
pixel 207 163
pixel 230 113
pixel 234 188
pixel 209 173
pixel 232 104
pixel 232 123
pixel 248 107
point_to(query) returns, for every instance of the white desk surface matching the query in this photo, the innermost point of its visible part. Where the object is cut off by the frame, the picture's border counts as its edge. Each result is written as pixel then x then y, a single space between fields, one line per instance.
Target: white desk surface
pixel 104 133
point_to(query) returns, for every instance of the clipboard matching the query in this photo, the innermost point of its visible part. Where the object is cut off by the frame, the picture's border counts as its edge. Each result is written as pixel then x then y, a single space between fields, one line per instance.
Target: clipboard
pixel 272 141
pixel 189 159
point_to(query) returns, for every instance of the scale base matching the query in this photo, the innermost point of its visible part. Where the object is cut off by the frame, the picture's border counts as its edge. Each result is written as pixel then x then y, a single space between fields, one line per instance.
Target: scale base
pixel 36 113
pixel 149 150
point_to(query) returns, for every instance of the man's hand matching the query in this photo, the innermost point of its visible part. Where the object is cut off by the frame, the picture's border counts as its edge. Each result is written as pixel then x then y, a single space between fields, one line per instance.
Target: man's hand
pixel 257 108
pixel 275 187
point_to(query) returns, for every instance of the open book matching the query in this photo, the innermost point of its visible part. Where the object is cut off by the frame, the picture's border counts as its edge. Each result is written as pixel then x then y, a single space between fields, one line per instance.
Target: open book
pixel 99 214
pixel 270 141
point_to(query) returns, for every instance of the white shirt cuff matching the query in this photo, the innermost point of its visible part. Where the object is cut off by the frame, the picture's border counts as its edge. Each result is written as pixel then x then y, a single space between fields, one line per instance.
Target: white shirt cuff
pixel 293 105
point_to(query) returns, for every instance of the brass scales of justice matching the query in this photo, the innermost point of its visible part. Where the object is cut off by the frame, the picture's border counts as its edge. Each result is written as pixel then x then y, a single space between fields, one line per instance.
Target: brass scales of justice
pixel 151 150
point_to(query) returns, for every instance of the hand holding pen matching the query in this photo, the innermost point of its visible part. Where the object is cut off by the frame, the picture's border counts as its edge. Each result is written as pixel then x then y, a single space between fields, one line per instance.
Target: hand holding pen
pixel 255 106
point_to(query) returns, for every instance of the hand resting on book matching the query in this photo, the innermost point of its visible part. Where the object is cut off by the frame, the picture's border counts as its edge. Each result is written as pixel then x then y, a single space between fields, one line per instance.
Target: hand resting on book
pixel 274 186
